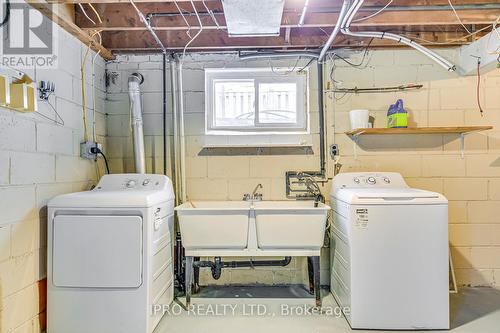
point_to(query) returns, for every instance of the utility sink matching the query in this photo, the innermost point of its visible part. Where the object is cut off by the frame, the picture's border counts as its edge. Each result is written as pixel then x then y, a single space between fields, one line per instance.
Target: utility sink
pixel 290 224
pixel 214 224
pixel 251 226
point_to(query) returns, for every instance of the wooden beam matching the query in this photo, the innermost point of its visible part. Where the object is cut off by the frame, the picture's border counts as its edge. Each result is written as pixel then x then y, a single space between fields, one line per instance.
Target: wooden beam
pixel 61 15
pixel 124 19
pixel 219 40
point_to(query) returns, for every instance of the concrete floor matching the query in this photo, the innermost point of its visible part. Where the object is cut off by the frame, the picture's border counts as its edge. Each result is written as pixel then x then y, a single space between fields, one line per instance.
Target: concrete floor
pixel 264 309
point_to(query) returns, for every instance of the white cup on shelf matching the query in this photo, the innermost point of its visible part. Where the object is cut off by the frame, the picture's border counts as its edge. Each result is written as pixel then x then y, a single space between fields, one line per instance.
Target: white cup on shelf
pixel 359 118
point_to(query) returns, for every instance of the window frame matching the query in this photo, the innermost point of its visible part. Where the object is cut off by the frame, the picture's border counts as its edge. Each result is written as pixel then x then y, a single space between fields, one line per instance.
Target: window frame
pixel 259 76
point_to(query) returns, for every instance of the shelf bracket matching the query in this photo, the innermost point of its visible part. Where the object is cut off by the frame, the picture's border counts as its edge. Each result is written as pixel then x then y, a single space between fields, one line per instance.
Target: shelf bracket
pixel 462 145
pixel 355 142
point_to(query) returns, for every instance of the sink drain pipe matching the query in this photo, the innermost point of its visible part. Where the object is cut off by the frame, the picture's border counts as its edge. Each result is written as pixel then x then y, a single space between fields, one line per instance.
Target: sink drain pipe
pixel 217 265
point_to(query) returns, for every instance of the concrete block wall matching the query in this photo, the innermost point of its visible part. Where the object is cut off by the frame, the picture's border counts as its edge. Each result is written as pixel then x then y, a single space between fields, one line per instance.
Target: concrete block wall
pixel 208 177
pixel 121 154
pixel 426 161
pixel 434 162
pixel 39 160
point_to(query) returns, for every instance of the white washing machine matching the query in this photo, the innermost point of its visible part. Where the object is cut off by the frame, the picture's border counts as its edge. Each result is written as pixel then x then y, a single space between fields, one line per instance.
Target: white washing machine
pixel 389 253
pixel 110 256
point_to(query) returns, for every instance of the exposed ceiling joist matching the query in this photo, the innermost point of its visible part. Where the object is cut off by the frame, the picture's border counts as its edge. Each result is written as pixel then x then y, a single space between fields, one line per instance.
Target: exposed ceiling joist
pixel 123 21
pixel 63 16
pixel 175 40
pixel 432 21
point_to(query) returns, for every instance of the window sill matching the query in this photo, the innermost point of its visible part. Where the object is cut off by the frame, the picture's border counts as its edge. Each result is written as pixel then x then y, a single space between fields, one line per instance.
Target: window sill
pixel 258 141
pixel 265 145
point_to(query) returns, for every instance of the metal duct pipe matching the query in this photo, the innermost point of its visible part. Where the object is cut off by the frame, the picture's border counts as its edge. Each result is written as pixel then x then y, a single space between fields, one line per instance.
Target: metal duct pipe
pixel 279 55
pixel 134 80
pixel 343 11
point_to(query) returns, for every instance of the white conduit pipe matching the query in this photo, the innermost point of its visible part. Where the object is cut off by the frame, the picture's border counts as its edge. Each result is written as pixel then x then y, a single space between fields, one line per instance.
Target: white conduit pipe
pixel 387 35
pixel 335 31
pixel 182 138
pixel 175 120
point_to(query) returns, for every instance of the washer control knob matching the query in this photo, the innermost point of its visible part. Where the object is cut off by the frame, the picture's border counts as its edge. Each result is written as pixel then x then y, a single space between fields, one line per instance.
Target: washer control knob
pixel 386 180
pixel 146 182
pixel 371 180
pixel 356 180
pixel 130 184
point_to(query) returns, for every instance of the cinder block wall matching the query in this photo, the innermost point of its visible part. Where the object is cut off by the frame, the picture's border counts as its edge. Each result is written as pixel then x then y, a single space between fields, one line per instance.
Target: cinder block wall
pixel 120 145
pixel 430 162
pixel 434 162
pixel 39 160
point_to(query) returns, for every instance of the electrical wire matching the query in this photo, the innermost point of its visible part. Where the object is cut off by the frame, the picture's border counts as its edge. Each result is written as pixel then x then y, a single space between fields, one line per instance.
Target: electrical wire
pixel 84 100
pixel 85 13
pixel 374 14
pixel 96 150
pixel 105 160
pixel 94 135
pixel 306 65
pixel 197 34
pixel 211 13
pixel 365 52
pixel 95 12
pixel 458 17
pixel 285 73
pixel 188 32
pixel 449 41
pixel 478 88
pixel 6 16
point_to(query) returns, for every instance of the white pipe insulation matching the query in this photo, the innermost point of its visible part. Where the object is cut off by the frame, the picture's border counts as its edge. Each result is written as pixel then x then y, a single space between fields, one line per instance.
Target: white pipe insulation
pixel 134 81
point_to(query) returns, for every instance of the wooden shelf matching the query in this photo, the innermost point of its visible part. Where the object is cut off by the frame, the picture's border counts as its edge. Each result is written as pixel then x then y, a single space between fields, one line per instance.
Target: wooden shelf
pixel 418 130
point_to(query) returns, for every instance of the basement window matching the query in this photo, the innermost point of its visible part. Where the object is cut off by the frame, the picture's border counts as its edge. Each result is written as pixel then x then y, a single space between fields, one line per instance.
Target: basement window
pixel 255 101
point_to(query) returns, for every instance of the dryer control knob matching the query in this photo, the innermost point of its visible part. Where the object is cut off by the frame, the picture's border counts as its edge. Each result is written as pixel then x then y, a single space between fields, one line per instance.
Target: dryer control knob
pixel 387 180
pixel 356 180
pixel 371 180
pixel 130 183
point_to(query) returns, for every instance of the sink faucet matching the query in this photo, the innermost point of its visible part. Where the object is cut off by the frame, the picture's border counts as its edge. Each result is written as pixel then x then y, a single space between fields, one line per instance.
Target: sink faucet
pixel 312 187
pixel 255 196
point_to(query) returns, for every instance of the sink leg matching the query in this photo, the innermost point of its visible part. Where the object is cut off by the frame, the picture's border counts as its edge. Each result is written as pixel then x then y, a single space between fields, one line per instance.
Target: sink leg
pixel 188 280
pixel 316 271
pixel 196 271
pixel 310 273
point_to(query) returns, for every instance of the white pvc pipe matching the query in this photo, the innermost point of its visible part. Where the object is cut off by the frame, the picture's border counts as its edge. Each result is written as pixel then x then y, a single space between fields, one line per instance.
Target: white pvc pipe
pixel 181 134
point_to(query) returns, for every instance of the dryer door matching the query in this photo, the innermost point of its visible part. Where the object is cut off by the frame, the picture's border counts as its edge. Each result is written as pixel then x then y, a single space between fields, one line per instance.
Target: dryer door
pixel 97 251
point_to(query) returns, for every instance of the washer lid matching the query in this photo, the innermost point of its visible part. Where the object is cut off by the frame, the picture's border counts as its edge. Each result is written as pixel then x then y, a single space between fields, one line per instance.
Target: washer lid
pixel 120 190
pixel 388 196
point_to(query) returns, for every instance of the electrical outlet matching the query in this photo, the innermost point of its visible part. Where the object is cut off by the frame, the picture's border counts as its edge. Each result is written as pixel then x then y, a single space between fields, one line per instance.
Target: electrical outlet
pixel 85 149
pixel 334 150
